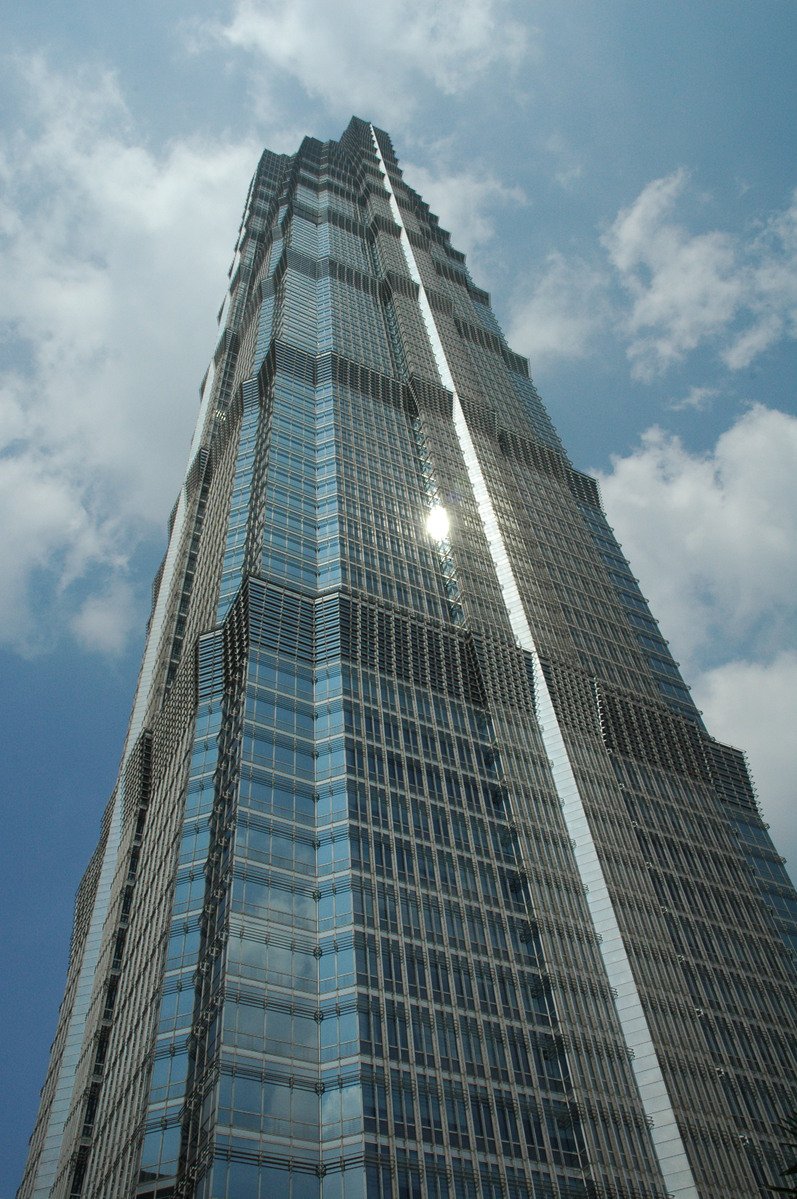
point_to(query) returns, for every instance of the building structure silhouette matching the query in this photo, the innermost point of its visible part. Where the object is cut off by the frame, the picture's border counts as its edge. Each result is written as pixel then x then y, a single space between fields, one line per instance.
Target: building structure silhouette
pixel 422 875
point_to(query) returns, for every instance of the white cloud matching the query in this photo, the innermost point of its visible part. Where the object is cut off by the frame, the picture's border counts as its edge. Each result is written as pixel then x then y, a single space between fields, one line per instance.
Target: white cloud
pixel 664 291
pixel 752 704
pixel 683 287
pixel 773 289
pixel 567 308
pixel 108 310
pixel 105 620
pixel 374 59
pixel 46 528
pixel 752 342
pixel 713 537
pixel 689 288
pixel 697 398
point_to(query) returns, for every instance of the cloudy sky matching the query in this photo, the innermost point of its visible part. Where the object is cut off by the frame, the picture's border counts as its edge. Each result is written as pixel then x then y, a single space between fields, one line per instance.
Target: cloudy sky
pixel 622 177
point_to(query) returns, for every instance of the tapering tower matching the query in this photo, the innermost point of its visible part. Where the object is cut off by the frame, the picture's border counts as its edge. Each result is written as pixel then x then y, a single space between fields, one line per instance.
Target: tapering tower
pixel 422 876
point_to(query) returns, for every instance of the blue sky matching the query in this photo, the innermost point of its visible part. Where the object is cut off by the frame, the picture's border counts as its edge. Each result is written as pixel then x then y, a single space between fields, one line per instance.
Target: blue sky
pixel 622 177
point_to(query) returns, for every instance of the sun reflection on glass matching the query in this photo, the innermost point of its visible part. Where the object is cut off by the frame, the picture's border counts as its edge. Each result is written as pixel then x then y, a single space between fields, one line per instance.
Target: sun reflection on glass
pixel 437 523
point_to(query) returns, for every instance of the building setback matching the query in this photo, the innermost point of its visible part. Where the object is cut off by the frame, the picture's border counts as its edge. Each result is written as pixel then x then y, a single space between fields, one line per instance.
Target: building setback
pixel 422 875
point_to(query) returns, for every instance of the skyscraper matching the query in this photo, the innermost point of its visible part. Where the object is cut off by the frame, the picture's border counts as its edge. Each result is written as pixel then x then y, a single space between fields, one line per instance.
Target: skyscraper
pixel 422 876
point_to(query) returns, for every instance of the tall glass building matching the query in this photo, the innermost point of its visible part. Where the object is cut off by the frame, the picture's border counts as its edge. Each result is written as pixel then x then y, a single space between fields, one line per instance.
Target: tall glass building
pixel 422 875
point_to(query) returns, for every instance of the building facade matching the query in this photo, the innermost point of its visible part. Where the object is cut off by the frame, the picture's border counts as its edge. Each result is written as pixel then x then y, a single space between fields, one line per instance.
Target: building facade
pixel 422 875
